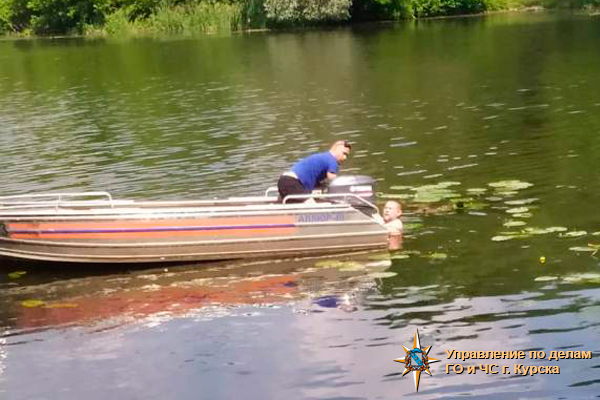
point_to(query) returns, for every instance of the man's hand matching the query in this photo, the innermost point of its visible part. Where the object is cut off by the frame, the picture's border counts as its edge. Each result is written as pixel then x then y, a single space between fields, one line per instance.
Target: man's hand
pixel 322 185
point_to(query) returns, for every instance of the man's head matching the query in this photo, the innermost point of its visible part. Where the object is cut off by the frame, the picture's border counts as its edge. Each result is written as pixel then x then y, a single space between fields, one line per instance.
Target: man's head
pixel 391 211
pixel 340 150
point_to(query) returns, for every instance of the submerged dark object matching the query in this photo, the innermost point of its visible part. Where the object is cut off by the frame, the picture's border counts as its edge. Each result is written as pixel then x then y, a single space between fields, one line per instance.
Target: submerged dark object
pixel 330 301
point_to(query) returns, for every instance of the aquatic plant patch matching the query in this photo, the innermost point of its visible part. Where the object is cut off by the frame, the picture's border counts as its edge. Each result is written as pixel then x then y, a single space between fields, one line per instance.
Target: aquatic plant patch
pixel 510 185
pixel 32 303
pixel 513 223
pixel 346 265
pixel 16 274
pixel 517 210
pixel 582 278
pixel 477 191
pixel 573 234
pixel 435 256
pixel 522 215
pixel 521 202
pixel 526 233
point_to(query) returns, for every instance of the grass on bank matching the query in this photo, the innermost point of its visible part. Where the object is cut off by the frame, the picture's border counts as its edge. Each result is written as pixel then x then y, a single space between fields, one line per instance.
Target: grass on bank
pixel 184 19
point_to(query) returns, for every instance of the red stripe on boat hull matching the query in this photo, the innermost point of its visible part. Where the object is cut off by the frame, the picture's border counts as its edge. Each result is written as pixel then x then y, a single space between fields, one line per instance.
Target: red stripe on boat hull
pixel 230 226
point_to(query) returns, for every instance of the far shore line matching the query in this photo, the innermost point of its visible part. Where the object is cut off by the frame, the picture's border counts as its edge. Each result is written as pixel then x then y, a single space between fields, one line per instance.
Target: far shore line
pixel 528 9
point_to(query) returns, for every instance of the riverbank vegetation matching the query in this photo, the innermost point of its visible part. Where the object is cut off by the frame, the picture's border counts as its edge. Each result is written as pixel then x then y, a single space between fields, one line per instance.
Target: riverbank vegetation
pixel 190 17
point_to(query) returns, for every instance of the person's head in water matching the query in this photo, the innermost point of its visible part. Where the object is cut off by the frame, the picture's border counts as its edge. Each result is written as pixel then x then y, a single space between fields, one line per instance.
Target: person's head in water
pixel 391 211
pixel 340 150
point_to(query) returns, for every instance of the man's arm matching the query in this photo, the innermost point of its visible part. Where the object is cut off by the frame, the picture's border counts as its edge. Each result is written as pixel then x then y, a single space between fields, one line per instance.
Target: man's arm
pixel 325 181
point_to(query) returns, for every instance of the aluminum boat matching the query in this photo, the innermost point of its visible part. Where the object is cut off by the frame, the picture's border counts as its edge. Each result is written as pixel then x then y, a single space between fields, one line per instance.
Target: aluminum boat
pixel 92 227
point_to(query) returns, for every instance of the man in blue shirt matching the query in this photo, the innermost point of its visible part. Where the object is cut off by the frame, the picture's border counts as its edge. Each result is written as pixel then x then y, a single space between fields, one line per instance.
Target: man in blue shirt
pixel 307 173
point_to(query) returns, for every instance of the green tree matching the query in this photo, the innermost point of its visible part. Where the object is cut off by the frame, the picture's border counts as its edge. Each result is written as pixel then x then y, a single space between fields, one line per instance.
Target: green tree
pixel 5 25
pixel 14 15
pixel 64 16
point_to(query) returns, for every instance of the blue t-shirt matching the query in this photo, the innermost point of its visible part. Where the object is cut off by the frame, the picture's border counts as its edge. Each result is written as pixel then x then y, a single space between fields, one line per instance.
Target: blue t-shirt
pixel 313 169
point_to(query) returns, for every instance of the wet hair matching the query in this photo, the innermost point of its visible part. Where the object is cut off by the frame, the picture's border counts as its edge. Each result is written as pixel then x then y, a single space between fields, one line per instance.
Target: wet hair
pixel 344 143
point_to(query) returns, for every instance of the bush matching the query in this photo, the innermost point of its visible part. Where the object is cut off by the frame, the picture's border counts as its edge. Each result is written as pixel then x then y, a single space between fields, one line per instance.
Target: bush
pixel 430 8
pixel 373 10
pixel 407 9
pixel 301 11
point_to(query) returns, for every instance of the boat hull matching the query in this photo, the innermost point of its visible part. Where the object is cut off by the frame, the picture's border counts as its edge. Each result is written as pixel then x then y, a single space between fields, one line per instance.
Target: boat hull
pixel 167 234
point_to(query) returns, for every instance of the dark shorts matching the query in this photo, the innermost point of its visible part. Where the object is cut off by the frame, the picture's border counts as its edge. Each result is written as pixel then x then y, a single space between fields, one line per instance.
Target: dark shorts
pixel 288 185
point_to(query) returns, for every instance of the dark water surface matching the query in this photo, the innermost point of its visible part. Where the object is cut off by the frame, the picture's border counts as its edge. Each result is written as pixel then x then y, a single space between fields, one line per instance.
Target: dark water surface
pixel 437 110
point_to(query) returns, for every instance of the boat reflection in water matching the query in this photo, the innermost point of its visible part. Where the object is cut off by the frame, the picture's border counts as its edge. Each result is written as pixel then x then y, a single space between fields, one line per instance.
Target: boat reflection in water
pixel 177 291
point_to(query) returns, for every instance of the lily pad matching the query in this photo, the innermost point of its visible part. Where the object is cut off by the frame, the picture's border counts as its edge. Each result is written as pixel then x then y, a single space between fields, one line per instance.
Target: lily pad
pixel 382 256
pixel 504 238
pixel 596 234
pixel 352 265
pixel 526 232
pixel 400 187
pixel 32 303
pixel 573 234
pixel 400 256
pixel 435 193
pixel 517 210
pixel 476 191
pixel 583 249
pixel 521 201
pixel 583 278
pixel 448 184
pixel 513 223
pixel 434 196
pixel 538 231
pixel 507 193
pixel 16 274
pixel 511 233
pixel 510 185
pixel 522 215
pixel 436 256
pixel 556 229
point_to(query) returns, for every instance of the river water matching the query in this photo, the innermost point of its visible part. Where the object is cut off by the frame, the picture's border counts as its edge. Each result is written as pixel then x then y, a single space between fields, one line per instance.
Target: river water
pixel 487 130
